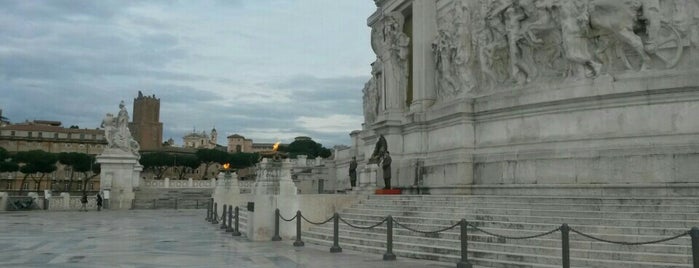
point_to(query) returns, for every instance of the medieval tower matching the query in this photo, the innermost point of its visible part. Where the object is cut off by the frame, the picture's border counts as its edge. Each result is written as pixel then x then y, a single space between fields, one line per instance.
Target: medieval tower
pixel 146 127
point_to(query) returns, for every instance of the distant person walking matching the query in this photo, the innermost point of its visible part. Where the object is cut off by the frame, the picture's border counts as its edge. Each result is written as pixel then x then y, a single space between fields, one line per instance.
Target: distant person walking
pixel 99 202
pixel 83 202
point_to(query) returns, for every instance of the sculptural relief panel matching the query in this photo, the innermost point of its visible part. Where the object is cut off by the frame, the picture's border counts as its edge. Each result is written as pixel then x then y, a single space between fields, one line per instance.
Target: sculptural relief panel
pixel 482 46
pixel 516 42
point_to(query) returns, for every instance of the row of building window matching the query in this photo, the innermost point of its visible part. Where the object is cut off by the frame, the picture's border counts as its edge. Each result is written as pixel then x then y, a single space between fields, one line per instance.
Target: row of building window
pixel 67 145
pixel 76 186
pixel 55 135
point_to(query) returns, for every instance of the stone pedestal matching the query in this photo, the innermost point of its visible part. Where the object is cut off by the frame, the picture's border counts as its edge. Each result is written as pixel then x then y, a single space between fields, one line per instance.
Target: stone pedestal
pixel 273 190
pixel 366 183
pixel 120 173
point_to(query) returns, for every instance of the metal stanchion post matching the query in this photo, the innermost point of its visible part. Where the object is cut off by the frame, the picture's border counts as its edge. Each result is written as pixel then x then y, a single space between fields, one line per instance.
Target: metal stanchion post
pixel 197 204
pixel 694 233
pixel 236 231
pixel 298 242
pixel 464 246
pixel 229 217
pixel 223 217
pixel 154 204
pixel 389 256
pixel 276 236
pixel 215 219
pixel 208 213
pixel 336 234
pixel 565 243
pixel 175 203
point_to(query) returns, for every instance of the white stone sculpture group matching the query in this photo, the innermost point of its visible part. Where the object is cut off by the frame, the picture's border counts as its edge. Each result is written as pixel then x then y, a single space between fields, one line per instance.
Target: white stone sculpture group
pixel 484 44
pixel 116 131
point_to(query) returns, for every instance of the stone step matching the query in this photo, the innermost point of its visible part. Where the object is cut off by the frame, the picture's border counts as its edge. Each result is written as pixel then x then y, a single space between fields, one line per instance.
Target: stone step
pixel 539 199
pixel 446 254
pixel 380 250
pixel 452 238
pixel 440 211
pixel 424 216
pixel 551 242
pixel 633 234
pixel 534 206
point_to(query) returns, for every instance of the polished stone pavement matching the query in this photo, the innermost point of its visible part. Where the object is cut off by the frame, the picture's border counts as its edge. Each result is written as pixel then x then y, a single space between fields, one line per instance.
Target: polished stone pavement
pixel 156 238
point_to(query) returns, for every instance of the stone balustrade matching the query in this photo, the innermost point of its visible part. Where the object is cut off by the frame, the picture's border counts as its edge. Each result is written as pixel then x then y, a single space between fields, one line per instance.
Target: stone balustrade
pixel 168 183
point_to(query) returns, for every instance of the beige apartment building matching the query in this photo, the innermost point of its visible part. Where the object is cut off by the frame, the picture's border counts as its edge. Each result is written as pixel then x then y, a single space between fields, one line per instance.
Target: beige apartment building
pixel 49 136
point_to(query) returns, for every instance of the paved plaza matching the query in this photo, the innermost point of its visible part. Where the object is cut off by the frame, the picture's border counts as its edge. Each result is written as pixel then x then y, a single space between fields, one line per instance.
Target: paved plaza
pixel 156 238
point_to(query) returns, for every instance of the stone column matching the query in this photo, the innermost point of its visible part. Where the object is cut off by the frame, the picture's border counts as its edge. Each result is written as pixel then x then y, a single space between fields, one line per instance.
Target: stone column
pixel 273 189
pixel 424 33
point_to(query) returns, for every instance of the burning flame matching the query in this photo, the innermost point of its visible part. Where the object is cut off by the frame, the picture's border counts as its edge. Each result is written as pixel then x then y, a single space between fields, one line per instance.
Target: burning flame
pixel 226 166
pixel 276 146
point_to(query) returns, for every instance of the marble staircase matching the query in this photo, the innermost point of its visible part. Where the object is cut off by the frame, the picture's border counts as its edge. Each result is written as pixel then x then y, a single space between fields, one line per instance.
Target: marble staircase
pixel 618 219
pixel 165 198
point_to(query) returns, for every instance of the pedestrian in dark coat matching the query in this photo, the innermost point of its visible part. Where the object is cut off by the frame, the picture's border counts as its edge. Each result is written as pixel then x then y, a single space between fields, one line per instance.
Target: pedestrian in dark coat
pixel 99 202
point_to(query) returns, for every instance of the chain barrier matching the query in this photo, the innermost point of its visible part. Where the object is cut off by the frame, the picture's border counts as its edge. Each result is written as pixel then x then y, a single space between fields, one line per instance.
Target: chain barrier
pixel 427 232
pixel 629 243
pixel 463 224
pixel 514 237
pixel 284 219
pixel 363 227
pixel 317 223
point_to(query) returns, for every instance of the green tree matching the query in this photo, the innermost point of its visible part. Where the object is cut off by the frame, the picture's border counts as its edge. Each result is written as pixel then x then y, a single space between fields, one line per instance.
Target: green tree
pixel 243 160
pixel 309 148
pixel 88 166
pixel 185 162
pixel 36 164
pixel 70 160
pixel 209 157
pixel 6 163
pixel 157 162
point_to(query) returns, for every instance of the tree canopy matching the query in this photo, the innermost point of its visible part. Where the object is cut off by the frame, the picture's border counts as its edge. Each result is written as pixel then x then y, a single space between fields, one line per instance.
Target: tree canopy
pixel 36 162
pixel 308 147
pixel 243 160
pixel 158 162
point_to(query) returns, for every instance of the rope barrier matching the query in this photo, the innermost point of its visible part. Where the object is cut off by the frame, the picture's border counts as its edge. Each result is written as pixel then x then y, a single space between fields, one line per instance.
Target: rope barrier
pixel 628 243
pixel 284 219
pixel 426 232
pixel 363 227
pixel 514 237
pixel 317 223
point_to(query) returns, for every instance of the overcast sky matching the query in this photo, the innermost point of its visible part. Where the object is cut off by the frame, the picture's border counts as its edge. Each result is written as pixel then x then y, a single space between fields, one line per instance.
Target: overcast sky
pixel 266 69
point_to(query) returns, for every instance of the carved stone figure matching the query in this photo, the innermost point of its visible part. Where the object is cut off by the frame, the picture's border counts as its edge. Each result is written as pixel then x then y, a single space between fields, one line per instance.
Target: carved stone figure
pixel 453 54
pixel 380 149
pixel 398 51
pixel 444 55
pixel 371 96
pixel 116 131
pixel 575 21
pixel 522 69
pixel 464 46
pixel 391 47
pixel 490 35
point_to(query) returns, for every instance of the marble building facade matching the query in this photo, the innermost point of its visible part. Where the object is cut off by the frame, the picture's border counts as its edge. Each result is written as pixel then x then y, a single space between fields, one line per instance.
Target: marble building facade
pixel 584 97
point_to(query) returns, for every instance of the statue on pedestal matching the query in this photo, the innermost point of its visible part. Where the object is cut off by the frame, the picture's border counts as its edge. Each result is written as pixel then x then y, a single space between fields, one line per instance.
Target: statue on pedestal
pixel 116 131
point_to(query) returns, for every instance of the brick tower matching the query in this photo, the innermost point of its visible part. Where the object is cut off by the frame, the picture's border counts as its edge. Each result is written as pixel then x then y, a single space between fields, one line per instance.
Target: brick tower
pixel 146 127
